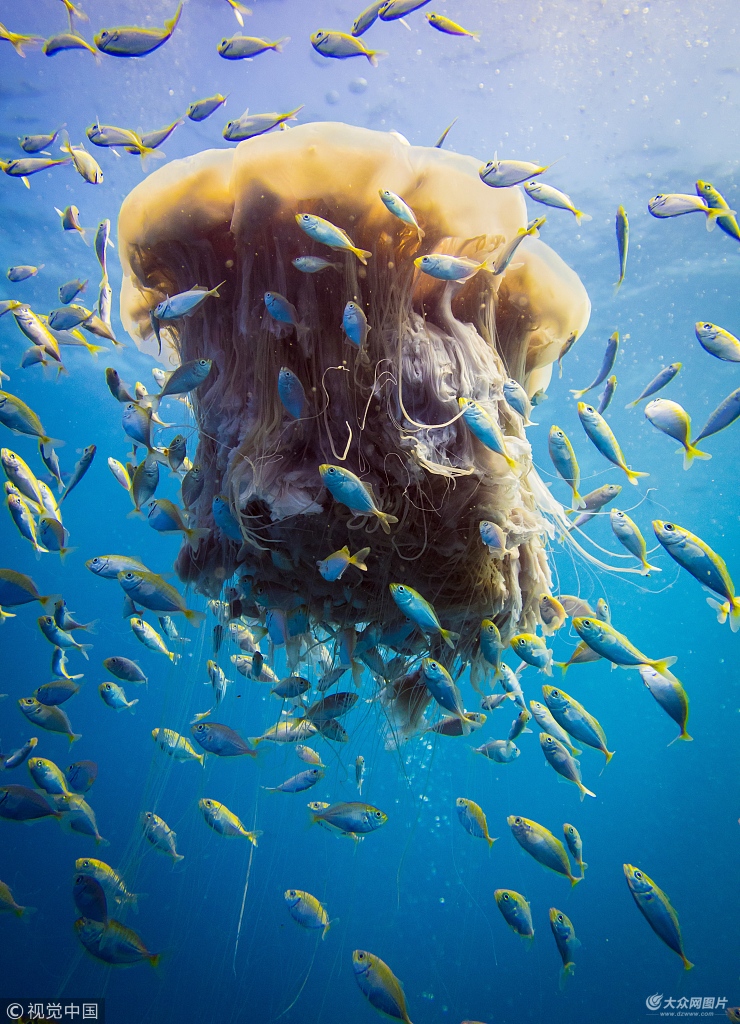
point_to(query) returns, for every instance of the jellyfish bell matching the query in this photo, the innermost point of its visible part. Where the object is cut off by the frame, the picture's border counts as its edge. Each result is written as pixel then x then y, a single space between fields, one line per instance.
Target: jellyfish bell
pixel 386 410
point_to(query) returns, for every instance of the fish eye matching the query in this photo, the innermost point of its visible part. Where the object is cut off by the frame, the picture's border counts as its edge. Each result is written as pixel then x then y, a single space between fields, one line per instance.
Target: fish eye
pixel 587 623
pixel 517 821
pixel 707 327
pixel 129 576
pixel 360 956
pixel 560 918
pixel 378 814
pixel 199 728
pixel 505 897
pixel 638 874
pixel 669 527
pixel 203 362
pixel 148 814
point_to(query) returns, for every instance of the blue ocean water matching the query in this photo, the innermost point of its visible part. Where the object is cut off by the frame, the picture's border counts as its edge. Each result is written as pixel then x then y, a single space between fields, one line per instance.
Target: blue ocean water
pixel 631 100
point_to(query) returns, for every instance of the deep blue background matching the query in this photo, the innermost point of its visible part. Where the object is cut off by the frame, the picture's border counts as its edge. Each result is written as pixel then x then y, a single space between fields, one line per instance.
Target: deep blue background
pixel 637 99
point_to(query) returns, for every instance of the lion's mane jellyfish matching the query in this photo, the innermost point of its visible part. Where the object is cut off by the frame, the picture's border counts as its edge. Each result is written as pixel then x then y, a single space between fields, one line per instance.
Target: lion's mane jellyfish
pixel 387 411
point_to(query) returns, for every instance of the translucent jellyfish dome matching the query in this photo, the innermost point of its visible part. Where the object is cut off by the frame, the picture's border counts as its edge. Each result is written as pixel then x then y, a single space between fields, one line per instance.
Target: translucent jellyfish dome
pixel 388 410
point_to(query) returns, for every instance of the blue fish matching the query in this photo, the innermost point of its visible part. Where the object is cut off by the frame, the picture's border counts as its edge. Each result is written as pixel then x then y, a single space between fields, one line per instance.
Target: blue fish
pixel 81 775
pixel 313 264
pixel 292 393
pixel 185 303
pixel 224 519
pixel 220 740
pixel 349 490
pixel 354 324
pixel 610 355
pixel 281 310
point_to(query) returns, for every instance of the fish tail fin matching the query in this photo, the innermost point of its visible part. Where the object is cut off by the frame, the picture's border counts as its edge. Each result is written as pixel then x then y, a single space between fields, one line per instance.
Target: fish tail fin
pixel 254 836
pixel 177 857
pixel 73 737
pixel 563 666
pixel 195 536
pixel 722 609
pixel 567 972
pixel 83 649
pixel 662 666
pixel 24 913
pixel 511 463
pixel 633 476
pixel 608 754
pixel 52 442
pixel 151 401
pixel 585 792
pixel 631 405
pixel 172 656
pixel 690 452
pixel 578 393
pixel 490 841
pixel 582 217
pixel 131 705
pixel 194 618
pixel 449 637
pixel 578 501
pixel 363 255
pixel 385 519
pixel 575 879
pixel 358 559
pixel 280 43
pixel 647 568
pixel 374 56
pixel 575 751
pixel 687 964
pixel 683 735
pixel 735 615
pixel 171 25
pixel 712 216
pixel 5 615
pixel 155 959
